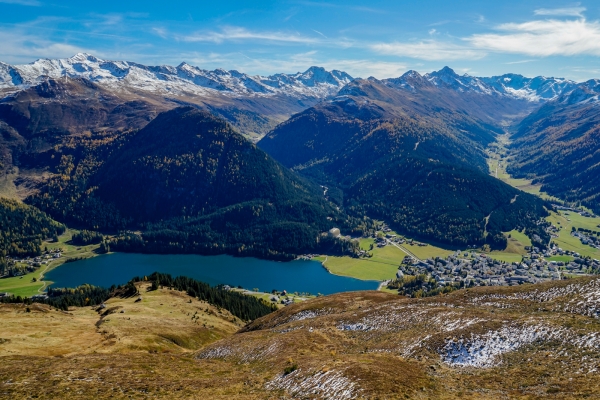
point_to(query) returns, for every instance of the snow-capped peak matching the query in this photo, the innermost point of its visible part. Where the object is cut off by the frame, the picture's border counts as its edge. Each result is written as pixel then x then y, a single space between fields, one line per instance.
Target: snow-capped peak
pixel 315 82
pixel 511 85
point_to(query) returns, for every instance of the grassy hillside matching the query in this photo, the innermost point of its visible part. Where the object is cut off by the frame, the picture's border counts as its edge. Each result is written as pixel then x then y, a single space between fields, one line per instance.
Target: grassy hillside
pixel 530 341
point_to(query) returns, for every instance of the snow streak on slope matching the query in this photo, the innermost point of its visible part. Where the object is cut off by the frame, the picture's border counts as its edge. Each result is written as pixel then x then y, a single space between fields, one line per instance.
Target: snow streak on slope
pixel 183 79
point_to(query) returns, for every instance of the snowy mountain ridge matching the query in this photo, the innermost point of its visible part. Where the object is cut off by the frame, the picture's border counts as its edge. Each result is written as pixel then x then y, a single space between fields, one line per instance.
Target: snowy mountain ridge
pixel 183 79
pixel 315 82
pixel 538 89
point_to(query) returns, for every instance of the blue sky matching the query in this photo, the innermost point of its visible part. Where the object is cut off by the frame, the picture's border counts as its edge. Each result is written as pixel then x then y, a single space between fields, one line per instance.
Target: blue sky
pixel 374 38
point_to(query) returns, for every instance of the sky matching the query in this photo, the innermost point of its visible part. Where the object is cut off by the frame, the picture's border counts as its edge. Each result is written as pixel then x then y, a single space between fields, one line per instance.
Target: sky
pixel 375 38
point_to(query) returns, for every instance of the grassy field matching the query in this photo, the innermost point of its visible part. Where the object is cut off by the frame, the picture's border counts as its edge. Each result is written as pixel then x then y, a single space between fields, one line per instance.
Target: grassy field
pixel 25 286
pixel 498 165
pixel 384 263
pixel 161 321
pixel 564 220
pixel 568 242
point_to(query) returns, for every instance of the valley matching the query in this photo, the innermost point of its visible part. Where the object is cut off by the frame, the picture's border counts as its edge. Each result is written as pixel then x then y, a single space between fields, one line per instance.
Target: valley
pixel 175 232
pixel 300 200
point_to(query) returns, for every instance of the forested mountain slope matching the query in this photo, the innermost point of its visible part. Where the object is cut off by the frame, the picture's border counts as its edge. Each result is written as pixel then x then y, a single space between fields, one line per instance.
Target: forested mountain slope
pixel 194 185
pixel 23 229
pixel 559 146
pixel 416 163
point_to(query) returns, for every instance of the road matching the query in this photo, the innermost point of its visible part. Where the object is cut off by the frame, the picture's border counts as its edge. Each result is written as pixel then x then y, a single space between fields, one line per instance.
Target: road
pixel 409 253
pixel 41 290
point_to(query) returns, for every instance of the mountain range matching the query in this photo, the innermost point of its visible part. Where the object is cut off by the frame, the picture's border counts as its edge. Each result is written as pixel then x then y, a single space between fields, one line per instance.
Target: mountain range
pixel 410 150
pixel 413 159
pixel 315 82
pixel 193 185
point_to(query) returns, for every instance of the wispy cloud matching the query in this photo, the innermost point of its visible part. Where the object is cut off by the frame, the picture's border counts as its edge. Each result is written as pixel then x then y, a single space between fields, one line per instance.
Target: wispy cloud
pixel 543 38
pixel 314 30
pixel 430 50
pixel 20 46
pixel 240 34
pixel 299 62
pixel 519 62
pixel 34 3
pixel 324 4
pixel 558 12
pixel 162 32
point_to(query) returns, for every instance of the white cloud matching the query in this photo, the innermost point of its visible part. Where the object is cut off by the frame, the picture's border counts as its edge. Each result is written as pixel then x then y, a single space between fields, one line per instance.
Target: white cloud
pixel 299 62
pixel 429 50
pixel 19 47
pixel 564 12
pixel 22 2
pixel 162 32
pixel 543 38
pixel 237 34
pixel 519 62
pixel 316 31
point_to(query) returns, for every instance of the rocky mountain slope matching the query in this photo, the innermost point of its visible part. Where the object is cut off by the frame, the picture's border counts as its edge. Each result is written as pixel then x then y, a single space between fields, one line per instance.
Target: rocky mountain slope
pixel 413 158
pixel 527 341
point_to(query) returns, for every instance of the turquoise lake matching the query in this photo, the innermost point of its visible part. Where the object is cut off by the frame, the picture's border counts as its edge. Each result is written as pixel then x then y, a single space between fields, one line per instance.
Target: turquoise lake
pixel 250 273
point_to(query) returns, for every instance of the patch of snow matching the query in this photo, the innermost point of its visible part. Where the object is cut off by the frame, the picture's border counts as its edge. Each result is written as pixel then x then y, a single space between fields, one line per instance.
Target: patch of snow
pixel 330 384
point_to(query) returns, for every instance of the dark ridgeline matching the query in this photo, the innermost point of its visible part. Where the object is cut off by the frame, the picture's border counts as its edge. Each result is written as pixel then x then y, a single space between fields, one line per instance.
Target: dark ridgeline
pixel 415 160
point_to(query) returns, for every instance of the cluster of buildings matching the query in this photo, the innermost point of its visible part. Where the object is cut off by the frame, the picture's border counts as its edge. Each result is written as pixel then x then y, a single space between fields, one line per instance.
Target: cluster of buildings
pixel 587 238
pixel 472 269
pixel 21 266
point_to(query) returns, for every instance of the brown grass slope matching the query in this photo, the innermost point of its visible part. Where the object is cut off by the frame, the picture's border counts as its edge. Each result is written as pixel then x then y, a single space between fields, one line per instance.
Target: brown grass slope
pixel 535 341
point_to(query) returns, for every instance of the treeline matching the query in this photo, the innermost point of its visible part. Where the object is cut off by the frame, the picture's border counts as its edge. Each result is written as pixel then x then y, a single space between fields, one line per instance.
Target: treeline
pixel 86 237
pixel 242 306
pixel 23 228
pixel 422 285
pixel 448 204
pixel 254 229
pixel 81 296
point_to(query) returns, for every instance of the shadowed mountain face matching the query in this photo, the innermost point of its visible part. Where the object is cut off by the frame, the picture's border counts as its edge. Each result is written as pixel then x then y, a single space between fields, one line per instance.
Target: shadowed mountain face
pixel 63 107
pixel 559 147
pixel 194 185
pixel 416 163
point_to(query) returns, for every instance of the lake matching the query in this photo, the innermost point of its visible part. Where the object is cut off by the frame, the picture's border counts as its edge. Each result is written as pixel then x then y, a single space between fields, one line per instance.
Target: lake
pixel 248 272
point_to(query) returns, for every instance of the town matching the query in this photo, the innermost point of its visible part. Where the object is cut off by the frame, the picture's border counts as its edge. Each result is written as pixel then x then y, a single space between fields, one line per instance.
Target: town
pixel 468 269
pixel 16 266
